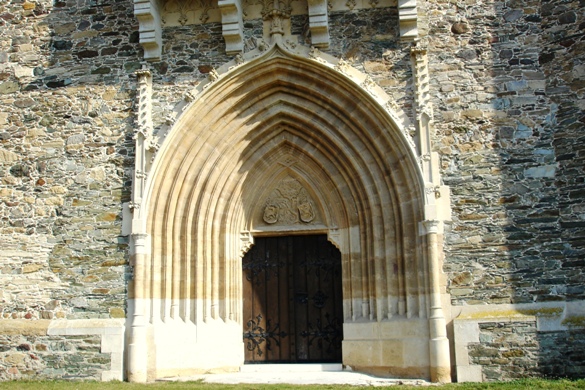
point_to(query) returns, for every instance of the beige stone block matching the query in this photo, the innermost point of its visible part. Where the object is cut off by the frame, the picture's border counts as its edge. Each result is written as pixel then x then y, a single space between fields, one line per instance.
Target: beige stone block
pixel 64 28
pixel 54 144
pixel 29 268
pixel 23 72
pixel 58 190
pixel 98 174
pixel 360 331
pixel 360 353
pixel 374 66
pixel 11 180
pixel 24 327
pixel 469 374
pixel 54 201
pixel 472 114
pixel 403 328
pixel 5 192
pixel 15 359
pixel 415 352
pixel 26 47
pixel 36 133
pixel 7 156
pixel 85 34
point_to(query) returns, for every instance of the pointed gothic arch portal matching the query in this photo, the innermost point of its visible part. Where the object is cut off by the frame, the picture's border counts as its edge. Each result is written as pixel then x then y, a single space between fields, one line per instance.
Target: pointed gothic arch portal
pixel 283 146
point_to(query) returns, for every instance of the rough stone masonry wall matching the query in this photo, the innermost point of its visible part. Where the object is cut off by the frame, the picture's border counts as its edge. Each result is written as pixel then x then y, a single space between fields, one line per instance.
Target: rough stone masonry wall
pixel 516 195
pixel 508 93
pixel 49 357
pixel 512 350
pixel 66 121
pixel 563 61
pixel 367 39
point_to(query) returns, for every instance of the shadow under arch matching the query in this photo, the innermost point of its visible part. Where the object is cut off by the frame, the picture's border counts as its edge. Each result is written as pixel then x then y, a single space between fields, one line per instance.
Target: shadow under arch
pixel 205 192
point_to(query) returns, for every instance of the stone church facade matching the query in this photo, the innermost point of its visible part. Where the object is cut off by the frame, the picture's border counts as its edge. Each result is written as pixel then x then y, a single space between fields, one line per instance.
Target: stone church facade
pixel 189 186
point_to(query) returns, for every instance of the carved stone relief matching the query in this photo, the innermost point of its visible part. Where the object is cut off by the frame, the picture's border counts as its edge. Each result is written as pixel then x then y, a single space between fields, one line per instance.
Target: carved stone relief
pixel 289 204
pixel 183 12
pixel 187 12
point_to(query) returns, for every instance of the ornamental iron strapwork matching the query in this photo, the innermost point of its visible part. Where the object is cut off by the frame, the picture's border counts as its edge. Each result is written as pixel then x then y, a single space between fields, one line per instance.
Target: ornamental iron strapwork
pixel 292 300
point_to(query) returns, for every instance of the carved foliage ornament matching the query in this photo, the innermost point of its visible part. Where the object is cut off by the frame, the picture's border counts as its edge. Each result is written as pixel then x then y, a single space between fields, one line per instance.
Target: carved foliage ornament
pixel 288 204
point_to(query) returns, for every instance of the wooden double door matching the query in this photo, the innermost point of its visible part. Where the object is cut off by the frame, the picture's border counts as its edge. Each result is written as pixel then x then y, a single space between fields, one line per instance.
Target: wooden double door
pixel 292 300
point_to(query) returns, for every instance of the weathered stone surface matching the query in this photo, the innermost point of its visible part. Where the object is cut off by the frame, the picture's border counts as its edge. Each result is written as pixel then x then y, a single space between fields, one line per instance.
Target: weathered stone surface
pixel 7 156
pixel 506 86
pixel 512 350
pixel 460 28
pixel 8 87
pixel 50 357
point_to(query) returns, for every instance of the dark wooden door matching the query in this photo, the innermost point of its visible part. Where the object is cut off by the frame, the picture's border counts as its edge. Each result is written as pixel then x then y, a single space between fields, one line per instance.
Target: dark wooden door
pixel 292 300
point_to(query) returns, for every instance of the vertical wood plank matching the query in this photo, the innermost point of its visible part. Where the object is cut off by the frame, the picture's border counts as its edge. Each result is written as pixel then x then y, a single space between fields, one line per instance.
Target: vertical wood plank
pixel 292 300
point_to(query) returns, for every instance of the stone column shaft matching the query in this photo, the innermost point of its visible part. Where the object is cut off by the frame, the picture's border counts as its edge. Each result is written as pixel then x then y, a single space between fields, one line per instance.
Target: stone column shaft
pixel 137 348
pixel 439 343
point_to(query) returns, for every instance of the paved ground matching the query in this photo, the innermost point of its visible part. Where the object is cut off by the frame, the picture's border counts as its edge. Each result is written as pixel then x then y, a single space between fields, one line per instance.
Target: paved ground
pixel 299 375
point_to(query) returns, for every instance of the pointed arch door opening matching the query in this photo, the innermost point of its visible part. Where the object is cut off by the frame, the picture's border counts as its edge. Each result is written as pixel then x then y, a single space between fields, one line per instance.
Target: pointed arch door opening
pixel 279 146
pixel 292 300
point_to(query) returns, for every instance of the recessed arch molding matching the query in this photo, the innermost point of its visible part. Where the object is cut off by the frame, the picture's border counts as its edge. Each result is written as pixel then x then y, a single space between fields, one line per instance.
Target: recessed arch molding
pixel 285 140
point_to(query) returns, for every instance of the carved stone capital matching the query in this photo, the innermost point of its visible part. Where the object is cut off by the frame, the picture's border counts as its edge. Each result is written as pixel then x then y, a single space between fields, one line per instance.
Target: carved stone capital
pixel 246 242
pixel 368 84
pixel 419 47
pixel 140 239
pixel 436 190
pixel 142 73
pixel 315 54
pixel 431 226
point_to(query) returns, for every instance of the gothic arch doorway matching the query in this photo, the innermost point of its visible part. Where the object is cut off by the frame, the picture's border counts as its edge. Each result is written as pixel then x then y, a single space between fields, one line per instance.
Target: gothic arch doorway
pixel 292 300
pixel 283 122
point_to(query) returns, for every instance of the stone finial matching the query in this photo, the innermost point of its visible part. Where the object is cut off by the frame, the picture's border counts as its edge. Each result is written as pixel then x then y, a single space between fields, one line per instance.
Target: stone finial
pixel 212 75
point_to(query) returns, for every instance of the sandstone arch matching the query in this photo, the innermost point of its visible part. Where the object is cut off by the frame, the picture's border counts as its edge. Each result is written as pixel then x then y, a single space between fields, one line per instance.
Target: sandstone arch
pixel 281 115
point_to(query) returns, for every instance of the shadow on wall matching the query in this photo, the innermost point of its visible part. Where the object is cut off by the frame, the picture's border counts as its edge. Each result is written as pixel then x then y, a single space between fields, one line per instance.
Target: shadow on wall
pixel 513 157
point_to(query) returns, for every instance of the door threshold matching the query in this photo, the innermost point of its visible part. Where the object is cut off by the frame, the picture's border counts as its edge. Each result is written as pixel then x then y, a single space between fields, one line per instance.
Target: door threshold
pixel 308 367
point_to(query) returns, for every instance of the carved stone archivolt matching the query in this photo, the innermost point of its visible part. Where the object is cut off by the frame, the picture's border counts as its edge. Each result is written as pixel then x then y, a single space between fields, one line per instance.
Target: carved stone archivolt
pixel 293 163
pixel 289 204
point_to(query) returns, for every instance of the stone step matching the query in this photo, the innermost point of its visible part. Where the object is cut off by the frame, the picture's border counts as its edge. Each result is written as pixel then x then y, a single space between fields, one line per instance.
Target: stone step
pixel 310 367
